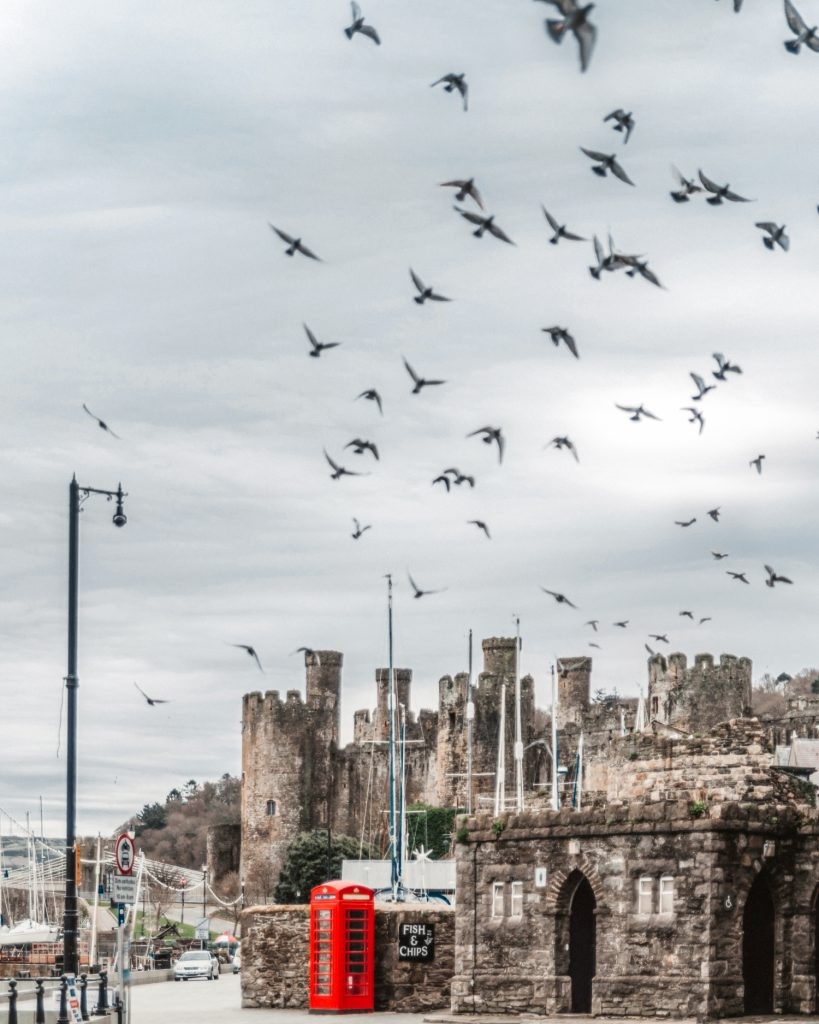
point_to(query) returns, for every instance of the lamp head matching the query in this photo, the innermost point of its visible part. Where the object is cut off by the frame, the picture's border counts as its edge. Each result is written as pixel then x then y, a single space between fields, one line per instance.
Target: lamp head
pixel 119 518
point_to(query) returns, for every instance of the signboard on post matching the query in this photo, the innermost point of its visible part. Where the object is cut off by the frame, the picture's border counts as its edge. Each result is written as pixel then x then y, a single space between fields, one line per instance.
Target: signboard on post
pixel 416 942
pixel 203 929
pixel 125 854
pixel 124 889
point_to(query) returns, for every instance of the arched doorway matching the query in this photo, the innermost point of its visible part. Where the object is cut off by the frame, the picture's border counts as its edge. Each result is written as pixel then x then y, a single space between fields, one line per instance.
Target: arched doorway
pixel 582 945
pixel 758 948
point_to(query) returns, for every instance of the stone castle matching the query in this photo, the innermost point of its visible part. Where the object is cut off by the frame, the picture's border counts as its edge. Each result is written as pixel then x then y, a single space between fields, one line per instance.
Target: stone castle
pixel 296 777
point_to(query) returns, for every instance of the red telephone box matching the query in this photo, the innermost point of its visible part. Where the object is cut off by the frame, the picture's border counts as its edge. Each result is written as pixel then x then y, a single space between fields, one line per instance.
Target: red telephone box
pixel 342 954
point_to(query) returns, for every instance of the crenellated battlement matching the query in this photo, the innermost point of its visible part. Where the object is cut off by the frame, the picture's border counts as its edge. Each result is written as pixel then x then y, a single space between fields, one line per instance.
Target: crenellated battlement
pixel 697 698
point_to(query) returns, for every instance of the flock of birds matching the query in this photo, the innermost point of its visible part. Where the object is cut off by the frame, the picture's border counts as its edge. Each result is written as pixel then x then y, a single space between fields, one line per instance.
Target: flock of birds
pixel 575 21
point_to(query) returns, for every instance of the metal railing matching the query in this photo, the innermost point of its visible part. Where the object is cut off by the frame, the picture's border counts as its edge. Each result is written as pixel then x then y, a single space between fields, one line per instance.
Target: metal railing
pixel 25 990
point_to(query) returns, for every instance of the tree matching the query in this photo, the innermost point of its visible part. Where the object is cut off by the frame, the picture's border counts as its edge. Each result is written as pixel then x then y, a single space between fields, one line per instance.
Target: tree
pixel 432 828
pixel 305 865
pixel 151 816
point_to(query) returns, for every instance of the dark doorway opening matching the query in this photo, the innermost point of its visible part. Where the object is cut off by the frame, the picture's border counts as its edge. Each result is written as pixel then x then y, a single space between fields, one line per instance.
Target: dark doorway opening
pixel 816 946
pixel 582 946
pixel 758 948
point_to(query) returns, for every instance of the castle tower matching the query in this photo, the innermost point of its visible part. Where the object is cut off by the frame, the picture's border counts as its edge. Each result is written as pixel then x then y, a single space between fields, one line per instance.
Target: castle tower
pixel 697 699
pixel 403 690
pixel 573 690
pixel 287 760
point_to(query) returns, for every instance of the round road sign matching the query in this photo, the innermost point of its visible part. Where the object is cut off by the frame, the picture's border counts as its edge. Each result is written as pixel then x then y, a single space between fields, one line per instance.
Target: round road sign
pixel 124 854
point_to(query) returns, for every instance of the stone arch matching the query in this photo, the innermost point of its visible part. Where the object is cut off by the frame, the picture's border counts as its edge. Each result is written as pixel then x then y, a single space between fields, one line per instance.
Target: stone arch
pixel 558 895
pixel 575 955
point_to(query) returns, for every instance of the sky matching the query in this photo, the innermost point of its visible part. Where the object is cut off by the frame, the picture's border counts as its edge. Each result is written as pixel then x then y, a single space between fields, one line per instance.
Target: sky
pixel 148 147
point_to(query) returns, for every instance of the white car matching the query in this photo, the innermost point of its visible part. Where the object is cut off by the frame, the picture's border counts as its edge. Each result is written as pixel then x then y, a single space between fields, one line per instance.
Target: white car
pixel 237 960
pixel 196 963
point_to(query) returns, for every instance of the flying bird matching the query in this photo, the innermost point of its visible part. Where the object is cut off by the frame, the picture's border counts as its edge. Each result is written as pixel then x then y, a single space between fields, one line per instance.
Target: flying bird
pixel 358 25
pixel 559 229
pixel 723 367
pixel 101 423
pixel 705 618
pixel 593 623
pixel 318 346
pixel 421 593
pixel 604 163
pixel 720 192
pixel 688 522
pixel 775 235
pixel 560 598
pixel 610 261
pixel 774 578
pixel 558 334
pixel 481 526
pixel 687 187
pixel 688 614
pixel 696 416
pixel 308 652
pixel 641 267
pixel 661 638
pixel 575 20
pixel 360 446
pixel 757 462
pixel 803 34
pixel 719 555
pixel 251 651
pixel 425 293
pixel 593 644
pixel 564 442
pixel 294 245
pixel 155 700
pixel 372 396
pixel 650 651
pixel 623 122
pixel 701 386
pixel 340 471
pixel 459 478
pixel 622 624
pixel 484 224
pixel 637 412
pixel 737 576
pixel 359 529
pixel 714 513
pixel 442 480
pixel 466 187
pixel 454 82
pixel 419 382
pixel 490 434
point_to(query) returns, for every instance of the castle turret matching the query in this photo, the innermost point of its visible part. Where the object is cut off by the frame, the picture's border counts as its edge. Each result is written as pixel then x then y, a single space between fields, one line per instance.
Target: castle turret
pixel 573 690
pixel 697 699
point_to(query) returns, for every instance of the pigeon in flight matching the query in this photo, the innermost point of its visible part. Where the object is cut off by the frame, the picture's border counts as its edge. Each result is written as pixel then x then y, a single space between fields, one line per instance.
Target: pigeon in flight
pixel 593 644
pixel 560 229
pixel 612 261
pixel 775 235
pixel 593 623
pixel 623 122
pixel 661 638
pixel 564 442
pixel 294 245
pixel 421 593
pixel 340 471
pixel 737 576
pixel 560 598
pixel 705 618
pixel 419 381
pixel 688 614
pixel 803 34
pixel 723 367
pixel 605 163
pixel 359 529
pixel 650 651
pixel 308 652
pixel 466 187
pixel 359 26
pixel 558 334
pixel 757 462
pixel 318 346
pixel 575 20
pixel 459 478
pixel 425 293
pixel 481 526
pixel 774 578
pixel 701 386
pixel 720 192
pixel 251 651
pixel 687 187
pixel 641 267
pixel 155 700
pixel 637 412
pixel 490 434
pixel 484 224
pixel 719 555
pixel 714 513
pixel 454 82
pixel 101 423
pixel 360 446
pixel 373 396
pixel 696 416
pixel 442 479
pixel 622 624
pixel 688 522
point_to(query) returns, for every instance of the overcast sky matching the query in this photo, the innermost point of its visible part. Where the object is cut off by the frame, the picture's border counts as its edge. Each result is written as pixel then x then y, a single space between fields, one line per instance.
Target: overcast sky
pixel 146 147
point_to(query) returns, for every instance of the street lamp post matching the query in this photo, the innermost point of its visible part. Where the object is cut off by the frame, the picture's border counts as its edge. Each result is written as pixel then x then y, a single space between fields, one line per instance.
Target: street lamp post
pixel 76 496
pixel 204 895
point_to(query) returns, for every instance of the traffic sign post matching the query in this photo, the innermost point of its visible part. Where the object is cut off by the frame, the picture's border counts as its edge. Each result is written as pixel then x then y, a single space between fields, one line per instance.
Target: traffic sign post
pixel 125 853
pixel 124 889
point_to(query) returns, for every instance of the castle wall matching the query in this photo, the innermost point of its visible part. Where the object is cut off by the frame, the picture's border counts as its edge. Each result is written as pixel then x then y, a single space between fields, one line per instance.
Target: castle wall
pixel 696 699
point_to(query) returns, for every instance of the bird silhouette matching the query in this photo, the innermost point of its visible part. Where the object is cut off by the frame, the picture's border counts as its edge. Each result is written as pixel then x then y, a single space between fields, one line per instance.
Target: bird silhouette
pixel 661 638
pixel 418 593
pixel 490 434
pixel 714 513
pixel 757 462
pixel 593 623
pixel 740 576
pixel 425 293
pixel 605 162
pixel 360 446
pixel 719 555
pixel 251 651
pixel 358 26
pixel 688 615
pixel 559 230
pixel 775 235
pixel 720 192
pixel 481 526
pixel 650 650
pixel 340 471
pixel 723 367
pixel 623 122
pixel 101 423
pixel 372 396
pixel 688 522
pixel 359 529
pixel 308 652
pixel 575 20
pixel 623 623
pixel 701 386
pixel 294 245
pixel 636 412
pixel 593 644
pixel 420 382
pixel 459 478
pixel 610 261
pixel 454 82
pixel 803 34
pixel 687 187
pixel 774 578
pixel 696 416
pixel 484 224
pixel 564 442
pixel 558 334
pixel 705 618
pixel 560 598
pixel 151 700
pixel 442 479
pixel 639 266
pixel 466 187
pixel 318 346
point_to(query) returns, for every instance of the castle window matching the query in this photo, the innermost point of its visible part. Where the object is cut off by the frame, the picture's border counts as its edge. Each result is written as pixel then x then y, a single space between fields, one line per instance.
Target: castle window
pixel 666 895
pixel 645 892
pixel 497 899
pixel 516 908
pixel 271 808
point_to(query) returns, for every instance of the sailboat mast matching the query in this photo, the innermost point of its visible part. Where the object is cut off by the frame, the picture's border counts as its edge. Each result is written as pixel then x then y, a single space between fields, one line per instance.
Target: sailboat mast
pixel 470 717
pixel 391 716
pixel 555 793
pixel 518 729
pixel 402 794
pixel 500 774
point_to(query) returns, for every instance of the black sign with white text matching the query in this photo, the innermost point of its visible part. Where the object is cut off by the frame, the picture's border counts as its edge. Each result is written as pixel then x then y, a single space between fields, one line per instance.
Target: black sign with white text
pixel 416 942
